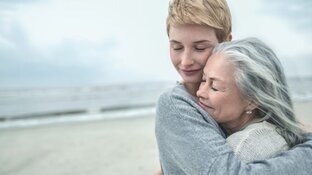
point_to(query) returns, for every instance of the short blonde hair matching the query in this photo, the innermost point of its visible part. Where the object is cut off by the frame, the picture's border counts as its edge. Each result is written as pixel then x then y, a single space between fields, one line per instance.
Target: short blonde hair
pixel 212 13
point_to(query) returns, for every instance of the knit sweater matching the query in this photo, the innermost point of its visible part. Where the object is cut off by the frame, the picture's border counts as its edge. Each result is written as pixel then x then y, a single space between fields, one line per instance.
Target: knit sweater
pixel 190 142
pixel 258 141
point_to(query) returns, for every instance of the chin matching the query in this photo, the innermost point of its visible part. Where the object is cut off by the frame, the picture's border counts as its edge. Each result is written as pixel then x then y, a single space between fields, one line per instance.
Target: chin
pixel 191 79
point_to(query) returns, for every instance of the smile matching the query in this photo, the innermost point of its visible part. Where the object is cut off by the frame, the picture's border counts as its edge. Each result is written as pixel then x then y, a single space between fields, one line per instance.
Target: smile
pixel 206 107
pixel 190 72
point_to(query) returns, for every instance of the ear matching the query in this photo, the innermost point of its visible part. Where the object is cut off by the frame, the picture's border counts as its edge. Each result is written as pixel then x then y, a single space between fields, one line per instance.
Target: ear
pixel 251 106
pixel 229 37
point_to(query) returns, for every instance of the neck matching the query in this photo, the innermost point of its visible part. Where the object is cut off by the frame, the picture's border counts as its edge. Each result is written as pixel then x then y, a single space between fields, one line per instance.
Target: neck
pixel 234 126
pixel 191 88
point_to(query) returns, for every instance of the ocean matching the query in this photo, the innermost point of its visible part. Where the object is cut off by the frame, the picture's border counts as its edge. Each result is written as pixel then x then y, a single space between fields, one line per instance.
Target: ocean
pixel 21 107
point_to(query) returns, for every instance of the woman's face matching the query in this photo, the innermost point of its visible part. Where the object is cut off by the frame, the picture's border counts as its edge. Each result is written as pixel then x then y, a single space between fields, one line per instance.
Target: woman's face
pixel 219 95
pixel 190 47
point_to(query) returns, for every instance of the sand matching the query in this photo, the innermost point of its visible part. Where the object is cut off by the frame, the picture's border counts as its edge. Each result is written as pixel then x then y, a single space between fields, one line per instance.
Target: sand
pixel 106 147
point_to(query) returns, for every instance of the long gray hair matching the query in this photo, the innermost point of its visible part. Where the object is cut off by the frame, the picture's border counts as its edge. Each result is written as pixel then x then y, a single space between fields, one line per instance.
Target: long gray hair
pixel 260 78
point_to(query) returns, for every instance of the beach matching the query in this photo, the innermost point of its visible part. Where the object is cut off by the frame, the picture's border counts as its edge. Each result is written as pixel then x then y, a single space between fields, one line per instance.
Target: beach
pixel 106 147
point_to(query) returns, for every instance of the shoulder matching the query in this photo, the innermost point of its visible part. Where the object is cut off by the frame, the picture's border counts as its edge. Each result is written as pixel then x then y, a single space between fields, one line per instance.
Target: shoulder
pixel 257 142
pixel 176 99
pixel 176 93
pixel 176 104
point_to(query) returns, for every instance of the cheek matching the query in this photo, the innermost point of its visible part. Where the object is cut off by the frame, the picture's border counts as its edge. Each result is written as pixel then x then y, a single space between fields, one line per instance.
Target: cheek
pixel 209 52
pixel 231 108
pixel 221 103
pixel 174 58
pixel 203 57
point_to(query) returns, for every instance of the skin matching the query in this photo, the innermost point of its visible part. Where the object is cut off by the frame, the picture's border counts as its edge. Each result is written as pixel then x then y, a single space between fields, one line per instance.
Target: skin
pixel 220 96
pixel 190 47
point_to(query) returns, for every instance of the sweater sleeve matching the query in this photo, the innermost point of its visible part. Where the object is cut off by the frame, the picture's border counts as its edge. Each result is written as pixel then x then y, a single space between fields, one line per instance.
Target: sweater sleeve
pixel 190 142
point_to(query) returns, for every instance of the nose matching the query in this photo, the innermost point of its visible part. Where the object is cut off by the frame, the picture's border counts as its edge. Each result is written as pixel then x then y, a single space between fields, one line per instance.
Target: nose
pixel 202 92
pixel 186 59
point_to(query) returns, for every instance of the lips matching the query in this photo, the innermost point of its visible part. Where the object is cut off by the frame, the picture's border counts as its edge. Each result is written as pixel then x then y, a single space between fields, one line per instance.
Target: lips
pixel 206 107
pixel 190 72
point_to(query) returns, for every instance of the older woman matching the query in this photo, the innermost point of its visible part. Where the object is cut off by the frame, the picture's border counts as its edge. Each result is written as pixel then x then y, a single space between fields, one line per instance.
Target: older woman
pixel 244 89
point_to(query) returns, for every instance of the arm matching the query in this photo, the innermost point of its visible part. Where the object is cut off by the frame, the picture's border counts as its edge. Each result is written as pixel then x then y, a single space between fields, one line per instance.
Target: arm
pixel 190 142
pixel 179 131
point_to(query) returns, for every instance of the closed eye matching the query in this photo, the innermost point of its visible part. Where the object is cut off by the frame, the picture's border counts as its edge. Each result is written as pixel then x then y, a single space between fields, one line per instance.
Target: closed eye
pixel 214 89
pixel 177 48
pixel 202 47
pixel 199 49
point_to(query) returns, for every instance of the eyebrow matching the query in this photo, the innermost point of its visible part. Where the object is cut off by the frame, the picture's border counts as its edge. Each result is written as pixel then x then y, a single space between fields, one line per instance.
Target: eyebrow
pixel 202 41
pixel 213 78
pixel 174 41
pixel 196 42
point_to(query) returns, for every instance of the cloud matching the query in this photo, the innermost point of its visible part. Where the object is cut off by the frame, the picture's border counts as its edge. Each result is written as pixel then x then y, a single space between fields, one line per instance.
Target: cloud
pixel 70 62
pixel 14 2
pixel 297 13
pixel 9 5
pixel 83 42
pixel 297 16
pixel 67 62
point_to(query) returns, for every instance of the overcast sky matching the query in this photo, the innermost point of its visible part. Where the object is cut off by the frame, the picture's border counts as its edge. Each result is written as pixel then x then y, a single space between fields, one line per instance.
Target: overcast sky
pixel 97 42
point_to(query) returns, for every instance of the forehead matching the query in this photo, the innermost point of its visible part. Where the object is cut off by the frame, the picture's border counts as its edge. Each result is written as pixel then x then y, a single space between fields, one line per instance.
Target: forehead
pixel 193 32
pixel 219 67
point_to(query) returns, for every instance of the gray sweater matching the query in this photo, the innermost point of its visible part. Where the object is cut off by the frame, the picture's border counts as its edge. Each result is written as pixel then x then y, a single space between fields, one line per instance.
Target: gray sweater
pixel 190 142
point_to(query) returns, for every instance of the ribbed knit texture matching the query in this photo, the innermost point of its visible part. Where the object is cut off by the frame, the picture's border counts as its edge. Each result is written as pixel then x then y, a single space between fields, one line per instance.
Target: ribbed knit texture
pixel 258 141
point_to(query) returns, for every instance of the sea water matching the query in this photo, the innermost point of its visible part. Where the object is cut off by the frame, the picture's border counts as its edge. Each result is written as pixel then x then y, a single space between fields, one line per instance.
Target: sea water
pixel 33 106
pixel 41 105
